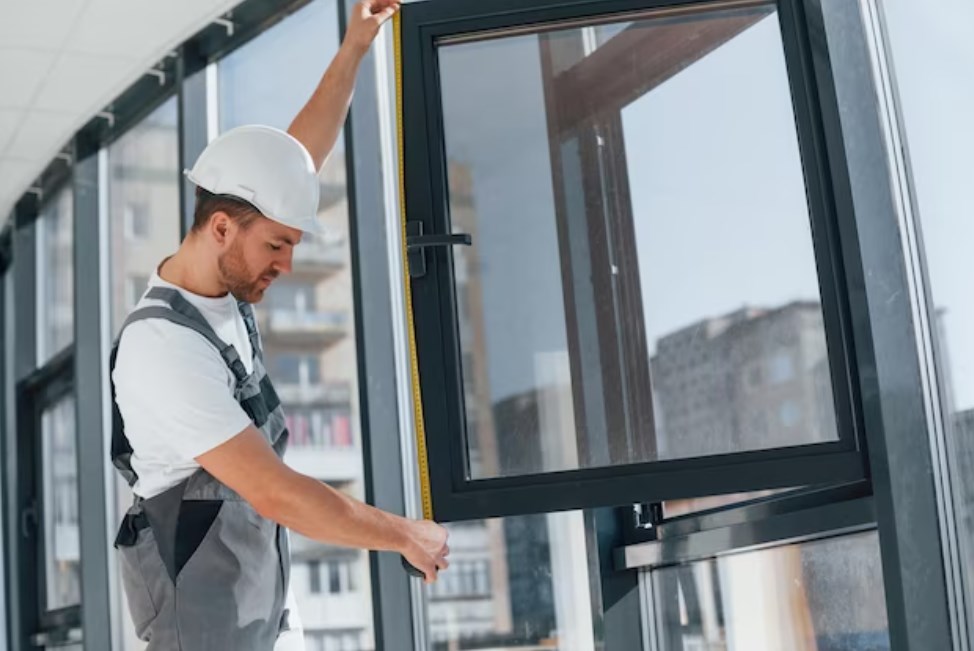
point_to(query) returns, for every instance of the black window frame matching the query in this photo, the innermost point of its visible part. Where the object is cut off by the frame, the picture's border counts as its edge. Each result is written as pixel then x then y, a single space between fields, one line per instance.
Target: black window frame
pixel 39 391
pixel 455 497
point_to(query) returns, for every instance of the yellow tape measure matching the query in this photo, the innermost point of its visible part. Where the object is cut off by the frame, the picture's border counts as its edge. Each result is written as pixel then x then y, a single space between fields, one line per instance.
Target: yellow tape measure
pixel 424 474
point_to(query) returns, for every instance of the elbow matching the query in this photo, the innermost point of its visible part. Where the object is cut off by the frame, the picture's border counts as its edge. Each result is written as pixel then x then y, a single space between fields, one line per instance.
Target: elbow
pixel 270 500
pixel 265 505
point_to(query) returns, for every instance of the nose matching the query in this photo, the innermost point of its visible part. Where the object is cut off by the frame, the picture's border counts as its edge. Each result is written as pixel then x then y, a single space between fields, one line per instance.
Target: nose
pixel 285 262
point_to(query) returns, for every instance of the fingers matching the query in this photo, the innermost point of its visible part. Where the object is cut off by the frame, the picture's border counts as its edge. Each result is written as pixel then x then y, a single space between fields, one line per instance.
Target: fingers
pixel 376 7
pixel 430 570
pixel 383 15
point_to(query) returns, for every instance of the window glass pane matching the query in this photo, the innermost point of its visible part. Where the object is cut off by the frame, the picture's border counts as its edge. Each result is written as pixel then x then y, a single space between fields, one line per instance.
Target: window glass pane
pixel 62 561
pixel 143 205
pixel 822 595
pixel 514 583
pixel 642 283
pixel 55 276
pixel 144 218
pixel 306 321
pixel 939 140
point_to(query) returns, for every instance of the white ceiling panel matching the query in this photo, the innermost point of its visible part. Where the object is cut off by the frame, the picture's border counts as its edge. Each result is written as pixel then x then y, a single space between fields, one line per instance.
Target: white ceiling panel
pixel 79 82
pixel 39 24
pixel 33 140
pixel 15 175
pixel 22 72
pixel 62 61
pixel 132 27
pixel 9 120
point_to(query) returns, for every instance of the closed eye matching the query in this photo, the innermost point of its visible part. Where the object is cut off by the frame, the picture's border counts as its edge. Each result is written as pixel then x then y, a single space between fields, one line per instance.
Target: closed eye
pixel 274 247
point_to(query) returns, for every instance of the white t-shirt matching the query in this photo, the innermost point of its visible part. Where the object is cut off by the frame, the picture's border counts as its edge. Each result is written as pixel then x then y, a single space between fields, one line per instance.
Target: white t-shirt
pixel 175 392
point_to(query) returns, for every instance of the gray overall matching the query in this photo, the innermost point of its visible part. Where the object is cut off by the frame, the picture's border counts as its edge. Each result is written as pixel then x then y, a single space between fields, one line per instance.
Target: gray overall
pixel 202 570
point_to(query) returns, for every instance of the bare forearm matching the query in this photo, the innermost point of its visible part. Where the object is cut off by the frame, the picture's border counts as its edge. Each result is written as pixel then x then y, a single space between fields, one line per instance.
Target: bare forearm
pixel 322 513
pixel 320 121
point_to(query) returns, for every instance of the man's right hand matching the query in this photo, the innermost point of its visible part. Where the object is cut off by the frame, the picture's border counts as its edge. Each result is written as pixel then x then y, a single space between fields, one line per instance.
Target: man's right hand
pixel 426 548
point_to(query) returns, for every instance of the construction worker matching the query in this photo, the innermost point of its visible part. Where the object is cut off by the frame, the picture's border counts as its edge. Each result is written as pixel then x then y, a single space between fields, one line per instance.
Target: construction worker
pixel 198 430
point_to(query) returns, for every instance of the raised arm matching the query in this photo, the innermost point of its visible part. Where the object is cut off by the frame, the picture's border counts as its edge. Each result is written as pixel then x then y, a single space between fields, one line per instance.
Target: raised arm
pixel 319 122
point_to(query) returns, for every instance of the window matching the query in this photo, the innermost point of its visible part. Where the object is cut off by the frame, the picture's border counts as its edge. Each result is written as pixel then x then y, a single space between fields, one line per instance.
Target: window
pixel 333 576
pixel 781 367
pixel 291 295
pixel 136 217
pixel 136 285
pixel 334 641
pixel 519 582
pixel 320 427
pixel 295 368
pixel 62 564
pixel 825 594
pixel 648 286
pixel 143 190
pixel 314 573
pixel 55 276
pixel 307 320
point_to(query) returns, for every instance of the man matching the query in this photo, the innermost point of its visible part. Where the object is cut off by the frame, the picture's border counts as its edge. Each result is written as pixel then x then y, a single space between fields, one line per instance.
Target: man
pixel 198 429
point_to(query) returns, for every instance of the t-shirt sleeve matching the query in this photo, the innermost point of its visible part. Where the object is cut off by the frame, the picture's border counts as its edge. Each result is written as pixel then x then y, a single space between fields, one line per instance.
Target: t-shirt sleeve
pixel 170 381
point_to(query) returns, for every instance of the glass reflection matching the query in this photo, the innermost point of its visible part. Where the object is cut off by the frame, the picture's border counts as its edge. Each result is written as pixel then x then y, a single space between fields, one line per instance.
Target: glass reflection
pixel 642 284
pixel 825 595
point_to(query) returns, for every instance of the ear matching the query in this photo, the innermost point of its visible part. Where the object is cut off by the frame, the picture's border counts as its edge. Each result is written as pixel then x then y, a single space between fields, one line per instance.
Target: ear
pixel 220 226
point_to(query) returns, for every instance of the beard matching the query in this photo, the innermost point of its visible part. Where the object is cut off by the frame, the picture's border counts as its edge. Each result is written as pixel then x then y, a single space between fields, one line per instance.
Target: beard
pixel 239 279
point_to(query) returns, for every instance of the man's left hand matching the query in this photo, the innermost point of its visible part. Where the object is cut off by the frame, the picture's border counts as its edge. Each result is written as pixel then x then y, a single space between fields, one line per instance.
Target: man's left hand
pixel 365 20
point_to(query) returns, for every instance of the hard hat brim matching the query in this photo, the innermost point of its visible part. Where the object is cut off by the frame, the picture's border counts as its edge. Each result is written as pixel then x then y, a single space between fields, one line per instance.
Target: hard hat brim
pixel 309 225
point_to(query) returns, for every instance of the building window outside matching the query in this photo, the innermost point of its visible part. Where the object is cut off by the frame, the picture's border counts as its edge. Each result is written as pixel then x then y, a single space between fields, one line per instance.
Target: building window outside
pixel 136 285
pixel 314 574
pixel 137 219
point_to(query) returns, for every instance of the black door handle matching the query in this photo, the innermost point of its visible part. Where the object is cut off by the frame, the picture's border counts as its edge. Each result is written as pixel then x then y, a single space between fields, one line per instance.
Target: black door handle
pixel 417 243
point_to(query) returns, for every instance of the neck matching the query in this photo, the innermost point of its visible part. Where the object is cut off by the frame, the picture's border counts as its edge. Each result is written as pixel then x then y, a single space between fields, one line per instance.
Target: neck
pixel 194 269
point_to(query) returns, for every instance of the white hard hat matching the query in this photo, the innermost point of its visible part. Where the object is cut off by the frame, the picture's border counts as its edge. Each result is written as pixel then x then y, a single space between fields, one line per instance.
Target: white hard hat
pixel 266 167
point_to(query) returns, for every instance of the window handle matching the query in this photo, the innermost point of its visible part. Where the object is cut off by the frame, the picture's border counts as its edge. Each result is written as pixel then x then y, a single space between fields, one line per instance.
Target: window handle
pixel 417 243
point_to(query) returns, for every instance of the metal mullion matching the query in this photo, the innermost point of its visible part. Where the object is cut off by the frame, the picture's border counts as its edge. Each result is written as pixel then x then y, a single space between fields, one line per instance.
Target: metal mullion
pixel 192 91
pixel 91 324
pixel 887 313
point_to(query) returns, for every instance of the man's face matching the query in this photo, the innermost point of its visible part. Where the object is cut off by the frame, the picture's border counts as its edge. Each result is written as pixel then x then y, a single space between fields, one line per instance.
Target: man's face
pixel 255 256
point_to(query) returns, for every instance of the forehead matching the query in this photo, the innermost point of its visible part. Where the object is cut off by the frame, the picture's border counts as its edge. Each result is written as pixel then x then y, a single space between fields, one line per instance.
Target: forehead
pixel 271 229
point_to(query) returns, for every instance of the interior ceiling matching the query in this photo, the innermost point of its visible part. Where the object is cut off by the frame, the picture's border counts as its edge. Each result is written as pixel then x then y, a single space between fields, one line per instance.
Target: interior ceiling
pixel 62 61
